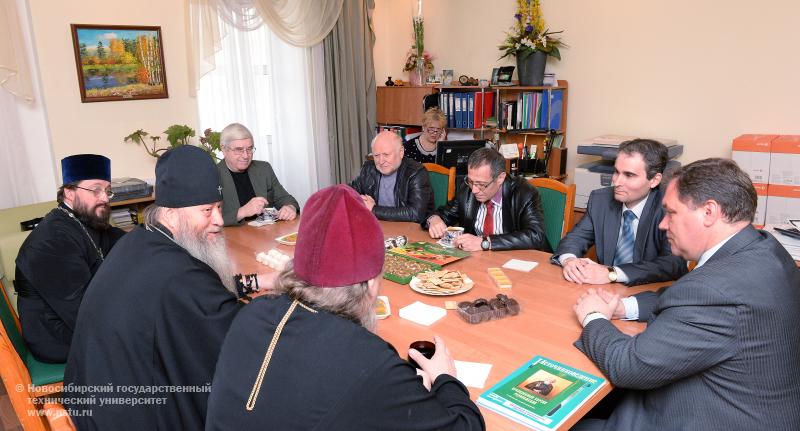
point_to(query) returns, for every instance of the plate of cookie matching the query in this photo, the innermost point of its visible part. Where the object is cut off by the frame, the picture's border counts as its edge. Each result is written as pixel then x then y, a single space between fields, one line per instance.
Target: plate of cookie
pixel 441 283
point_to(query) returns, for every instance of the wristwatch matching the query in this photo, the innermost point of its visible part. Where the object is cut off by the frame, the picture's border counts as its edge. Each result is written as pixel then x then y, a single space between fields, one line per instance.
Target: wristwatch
pixel 612 274
pixel 486 244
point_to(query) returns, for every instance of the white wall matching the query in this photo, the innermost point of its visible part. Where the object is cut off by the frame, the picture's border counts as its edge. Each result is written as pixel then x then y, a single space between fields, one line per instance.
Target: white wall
pixel 99 127
pixel 701 72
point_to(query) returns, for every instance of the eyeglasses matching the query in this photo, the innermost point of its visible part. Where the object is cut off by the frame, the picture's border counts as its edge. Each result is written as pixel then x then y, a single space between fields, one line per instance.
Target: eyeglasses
pixel 433 130
pixel 480 186
pixel 98 192
pixel 241 151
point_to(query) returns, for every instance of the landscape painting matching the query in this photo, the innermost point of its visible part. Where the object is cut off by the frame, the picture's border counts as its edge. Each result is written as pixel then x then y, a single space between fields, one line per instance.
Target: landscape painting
pixel 117 62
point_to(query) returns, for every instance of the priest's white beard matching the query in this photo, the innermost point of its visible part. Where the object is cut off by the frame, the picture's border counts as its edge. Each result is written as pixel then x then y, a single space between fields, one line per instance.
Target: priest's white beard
pixel 212 252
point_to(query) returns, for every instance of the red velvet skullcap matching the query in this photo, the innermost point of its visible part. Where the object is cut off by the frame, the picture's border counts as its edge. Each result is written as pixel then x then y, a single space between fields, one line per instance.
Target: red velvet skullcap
pixel 339 242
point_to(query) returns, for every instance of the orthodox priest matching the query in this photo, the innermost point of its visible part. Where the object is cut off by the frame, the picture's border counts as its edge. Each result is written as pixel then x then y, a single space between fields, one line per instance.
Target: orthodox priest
pixel 154 317
pixel 60 257
pixel 307 357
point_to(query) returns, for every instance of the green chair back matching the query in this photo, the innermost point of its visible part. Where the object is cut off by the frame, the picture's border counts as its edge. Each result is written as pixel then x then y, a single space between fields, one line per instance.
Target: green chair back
pixel 439 186
pixel 553 208
pixel 558 203
pixel 442 182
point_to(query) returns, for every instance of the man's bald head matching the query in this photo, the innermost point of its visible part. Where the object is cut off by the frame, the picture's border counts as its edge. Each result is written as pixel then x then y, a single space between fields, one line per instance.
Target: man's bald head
pixel 387 151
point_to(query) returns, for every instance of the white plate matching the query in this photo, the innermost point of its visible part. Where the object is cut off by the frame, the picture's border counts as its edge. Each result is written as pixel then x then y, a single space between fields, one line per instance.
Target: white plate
pixel 445 244
pixel 388 313
pixel 283 240
pixel 414 285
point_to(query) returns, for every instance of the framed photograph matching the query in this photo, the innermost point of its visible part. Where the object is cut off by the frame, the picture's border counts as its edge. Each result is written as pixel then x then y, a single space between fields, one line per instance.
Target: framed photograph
pixel 447 76
pixel 119 62
pixel 504 75
pixel 495 72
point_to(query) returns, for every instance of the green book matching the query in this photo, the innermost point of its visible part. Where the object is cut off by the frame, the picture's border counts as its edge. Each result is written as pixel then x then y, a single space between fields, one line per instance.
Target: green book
pixel 542 394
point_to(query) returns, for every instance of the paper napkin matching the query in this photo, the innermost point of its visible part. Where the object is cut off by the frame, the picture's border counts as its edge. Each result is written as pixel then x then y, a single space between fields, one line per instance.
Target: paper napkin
pixel 472 374
pixel 421 313
pixel 520 265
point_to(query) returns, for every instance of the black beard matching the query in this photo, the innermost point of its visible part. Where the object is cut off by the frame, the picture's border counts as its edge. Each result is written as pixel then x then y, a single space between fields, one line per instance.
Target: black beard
pixel 89 217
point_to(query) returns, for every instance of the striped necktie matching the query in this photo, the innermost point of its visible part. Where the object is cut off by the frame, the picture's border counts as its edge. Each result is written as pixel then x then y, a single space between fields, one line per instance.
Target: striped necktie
pixel 624 252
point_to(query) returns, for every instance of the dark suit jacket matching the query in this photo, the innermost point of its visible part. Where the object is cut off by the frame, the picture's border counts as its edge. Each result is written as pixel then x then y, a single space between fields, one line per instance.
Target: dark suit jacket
pixel 652 256
pixel 523 223
pixel 265 184
pixel 413 195
pixel 721 350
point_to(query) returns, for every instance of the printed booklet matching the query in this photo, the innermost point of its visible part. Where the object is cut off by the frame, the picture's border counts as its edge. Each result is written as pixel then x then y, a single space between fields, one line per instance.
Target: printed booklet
pixel 541 394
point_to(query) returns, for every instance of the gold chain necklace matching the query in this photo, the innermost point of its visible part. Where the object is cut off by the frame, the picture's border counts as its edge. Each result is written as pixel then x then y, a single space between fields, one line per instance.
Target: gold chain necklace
pixel 251 400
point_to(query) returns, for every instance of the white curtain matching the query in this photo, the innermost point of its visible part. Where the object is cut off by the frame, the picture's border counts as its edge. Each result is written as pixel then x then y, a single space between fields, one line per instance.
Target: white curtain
pixel 278 92
pixel 15 76
pixel 301 23
pixel 27 173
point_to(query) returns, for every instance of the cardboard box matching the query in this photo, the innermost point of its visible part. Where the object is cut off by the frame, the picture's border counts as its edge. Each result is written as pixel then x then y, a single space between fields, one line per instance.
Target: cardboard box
pixel 783 203
pixel 761 209
pixel 752 154
pixel 784 165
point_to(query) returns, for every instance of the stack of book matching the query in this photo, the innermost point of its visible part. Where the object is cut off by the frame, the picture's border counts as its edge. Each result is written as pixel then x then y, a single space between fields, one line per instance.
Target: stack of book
pixel 123 217
pixel 130 188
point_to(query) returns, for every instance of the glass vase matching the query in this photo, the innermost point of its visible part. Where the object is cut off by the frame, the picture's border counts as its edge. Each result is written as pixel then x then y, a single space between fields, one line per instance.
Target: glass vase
pixel 419 71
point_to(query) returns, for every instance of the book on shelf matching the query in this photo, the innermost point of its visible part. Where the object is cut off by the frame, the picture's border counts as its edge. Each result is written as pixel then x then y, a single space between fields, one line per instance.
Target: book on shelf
pixel 484 108
pixel 542 394
pixel 123 217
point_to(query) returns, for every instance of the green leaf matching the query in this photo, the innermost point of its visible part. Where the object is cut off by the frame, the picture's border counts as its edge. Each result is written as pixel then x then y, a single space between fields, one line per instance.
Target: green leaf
pixel 554 52
pixel 178 134
pixel 136 137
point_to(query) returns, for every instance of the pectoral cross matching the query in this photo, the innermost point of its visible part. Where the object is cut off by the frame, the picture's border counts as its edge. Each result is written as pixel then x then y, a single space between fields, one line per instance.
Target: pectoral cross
pixel 219 189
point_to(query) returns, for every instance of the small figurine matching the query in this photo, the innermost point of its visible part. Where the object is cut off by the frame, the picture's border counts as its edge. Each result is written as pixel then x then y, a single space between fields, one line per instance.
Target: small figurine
pixel 389 82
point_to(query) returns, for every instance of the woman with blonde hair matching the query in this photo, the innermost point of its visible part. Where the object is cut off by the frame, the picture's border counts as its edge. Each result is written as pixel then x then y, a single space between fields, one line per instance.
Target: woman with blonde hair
pixel 423 148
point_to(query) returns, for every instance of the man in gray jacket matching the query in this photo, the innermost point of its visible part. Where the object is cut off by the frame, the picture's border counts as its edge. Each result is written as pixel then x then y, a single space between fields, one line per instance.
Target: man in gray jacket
pixel 722 345
pixel 249 186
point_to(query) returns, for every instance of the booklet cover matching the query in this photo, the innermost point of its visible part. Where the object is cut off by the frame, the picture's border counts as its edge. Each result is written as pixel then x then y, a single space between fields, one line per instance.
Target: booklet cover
pixel 541 394
pixel 430 253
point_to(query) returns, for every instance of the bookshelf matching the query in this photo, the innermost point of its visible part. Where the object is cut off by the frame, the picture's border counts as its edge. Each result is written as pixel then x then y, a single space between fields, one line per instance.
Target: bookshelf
pixel 134 206
pixel 403 106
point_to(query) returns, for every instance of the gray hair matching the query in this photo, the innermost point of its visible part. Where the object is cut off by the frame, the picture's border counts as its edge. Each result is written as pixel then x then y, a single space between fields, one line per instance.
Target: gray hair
pixel 398 140
pixel 212 253
pixel 234 132
pixel 349 302
pixel 152 214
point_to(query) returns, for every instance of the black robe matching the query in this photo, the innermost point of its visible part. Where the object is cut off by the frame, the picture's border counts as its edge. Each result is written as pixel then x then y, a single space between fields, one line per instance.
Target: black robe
pixel 326 373
pixel 54 267
pixel 149 332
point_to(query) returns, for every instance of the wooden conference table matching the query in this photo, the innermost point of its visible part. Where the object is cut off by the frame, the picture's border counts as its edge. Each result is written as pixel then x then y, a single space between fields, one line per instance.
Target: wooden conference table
pixel 546 325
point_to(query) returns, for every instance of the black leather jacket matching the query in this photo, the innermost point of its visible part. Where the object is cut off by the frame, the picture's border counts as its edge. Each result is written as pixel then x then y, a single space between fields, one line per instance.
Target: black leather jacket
pixel 523 223
pixel 412 191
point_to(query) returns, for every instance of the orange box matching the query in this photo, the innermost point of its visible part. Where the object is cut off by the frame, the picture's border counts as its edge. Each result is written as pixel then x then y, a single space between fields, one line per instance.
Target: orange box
pixel 783 203
pixel 784 166
pixel 761 209
pixel 752 153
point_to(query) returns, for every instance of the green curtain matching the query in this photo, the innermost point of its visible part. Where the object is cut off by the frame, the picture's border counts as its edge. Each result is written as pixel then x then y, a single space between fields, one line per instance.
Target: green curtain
pixel 350 88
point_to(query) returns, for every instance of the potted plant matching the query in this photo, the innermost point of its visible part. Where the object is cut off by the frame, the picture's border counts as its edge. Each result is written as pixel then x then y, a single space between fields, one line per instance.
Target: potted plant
pixel 531 42
pixel 176 134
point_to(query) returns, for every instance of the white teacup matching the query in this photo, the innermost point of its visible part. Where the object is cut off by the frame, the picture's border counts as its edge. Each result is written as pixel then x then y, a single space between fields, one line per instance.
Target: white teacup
pixel 451 234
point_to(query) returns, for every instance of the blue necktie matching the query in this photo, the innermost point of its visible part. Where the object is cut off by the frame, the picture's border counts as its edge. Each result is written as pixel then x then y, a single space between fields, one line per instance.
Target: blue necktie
pixel 624 252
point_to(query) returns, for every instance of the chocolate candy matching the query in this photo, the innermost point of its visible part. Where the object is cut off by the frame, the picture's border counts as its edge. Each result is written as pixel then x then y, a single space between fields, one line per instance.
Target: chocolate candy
pixel 482 310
